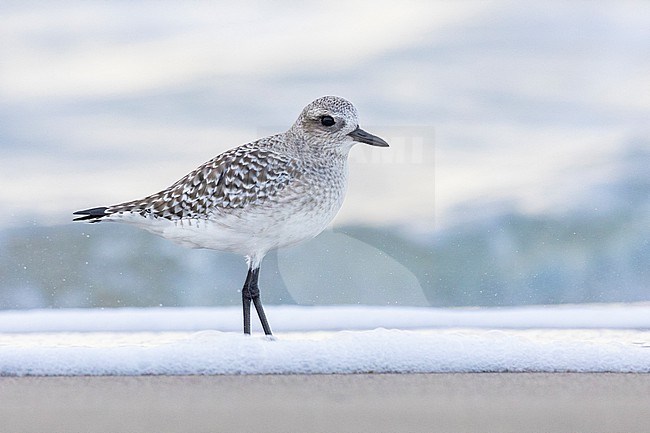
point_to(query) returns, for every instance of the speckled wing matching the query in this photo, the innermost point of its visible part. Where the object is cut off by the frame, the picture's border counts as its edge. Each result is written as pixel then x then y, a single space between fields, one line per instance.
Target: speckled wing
pixel 238 178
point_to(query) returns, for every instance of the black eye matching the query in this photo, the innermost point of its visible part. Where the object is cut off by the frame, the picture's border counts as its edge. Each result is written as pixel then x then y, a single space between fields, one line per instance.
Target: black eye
pixel 327 121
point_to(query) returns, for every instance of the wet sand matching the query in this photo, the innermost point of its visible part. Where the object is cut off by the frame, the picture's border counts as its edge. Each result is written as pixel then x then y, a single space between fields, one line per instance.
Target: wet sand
pixel 494 402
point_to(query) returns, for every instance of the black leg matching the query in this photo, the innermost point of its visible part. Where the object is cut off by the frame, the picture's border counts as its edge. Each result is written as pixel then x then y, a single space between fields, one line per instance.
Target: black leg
pixel 251 292
pixel 246 302
pixel 262 315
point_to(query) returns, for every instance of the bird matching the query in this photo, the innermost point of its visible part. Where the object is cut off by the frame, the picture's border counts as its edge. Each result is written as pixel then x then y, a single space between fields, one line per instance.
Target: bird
pixel 271 193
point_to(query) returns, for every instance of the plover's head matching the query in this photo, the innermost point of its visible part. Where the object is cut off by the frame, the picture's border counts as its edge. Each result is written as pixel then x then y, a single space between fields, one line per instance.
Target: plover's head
pixel 333 120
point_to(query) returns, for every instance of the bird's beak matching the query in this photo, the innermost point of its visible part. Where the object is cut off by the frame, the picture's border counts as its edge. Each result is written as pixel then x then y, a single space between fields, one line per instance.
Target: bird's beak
pixel 363 137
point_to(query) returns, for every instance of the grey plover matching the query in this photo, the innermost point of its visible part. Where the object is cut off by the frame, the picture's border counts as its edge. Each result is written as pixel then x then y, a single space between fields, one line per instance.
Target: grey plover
pixel 263 195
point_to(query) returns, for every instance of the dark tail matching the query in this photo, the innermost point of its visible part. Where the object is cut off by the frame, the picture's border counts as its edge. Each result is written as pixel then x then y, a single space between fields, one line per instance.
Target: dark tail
pixel 91 215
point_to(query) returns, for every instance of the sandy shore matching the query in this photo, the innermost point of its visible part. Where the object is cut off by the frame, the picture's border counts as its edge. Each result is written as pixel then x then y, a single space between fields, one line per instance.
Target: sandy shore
pixel 515 402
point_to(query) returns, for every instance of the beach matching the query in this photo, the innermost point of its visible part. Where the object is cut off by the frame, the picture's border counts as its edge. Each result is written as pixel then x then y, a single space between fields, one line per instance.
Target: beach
pixel 456 402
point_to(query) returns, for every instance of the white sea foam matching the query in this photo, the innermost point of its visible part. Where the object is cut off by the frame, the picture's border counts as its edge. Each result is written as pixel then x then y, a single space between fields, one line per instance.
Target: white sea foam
pixel 161 341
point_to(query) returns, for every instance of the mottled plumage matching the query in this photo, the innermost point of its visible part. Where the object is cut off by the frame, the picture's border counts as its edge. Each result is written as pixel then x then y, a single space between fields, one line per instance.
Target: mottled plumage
pixel 239 177
pixel 263 195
